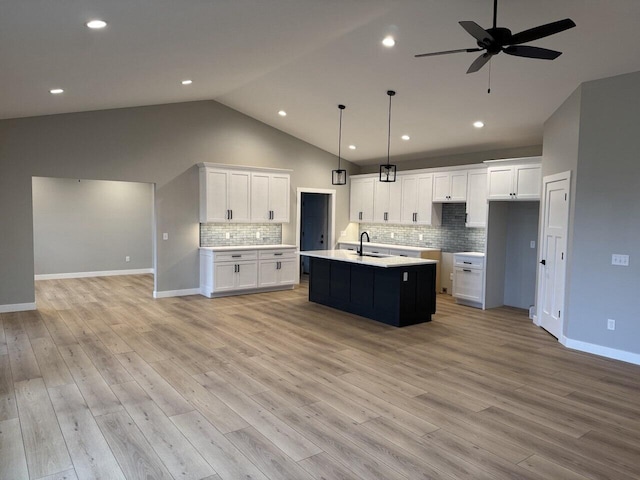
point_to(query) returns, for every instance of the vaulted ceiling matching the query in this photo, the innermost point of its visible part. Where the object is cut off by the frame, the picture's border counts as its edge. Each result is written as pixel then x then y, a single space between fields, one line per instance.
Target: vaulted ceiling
pixel 306 57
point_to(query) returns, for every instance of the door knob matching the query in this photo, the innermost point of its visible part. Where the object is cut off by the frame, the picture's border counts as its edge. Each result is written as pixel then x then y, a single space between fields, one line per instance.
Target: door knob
pixel 543 262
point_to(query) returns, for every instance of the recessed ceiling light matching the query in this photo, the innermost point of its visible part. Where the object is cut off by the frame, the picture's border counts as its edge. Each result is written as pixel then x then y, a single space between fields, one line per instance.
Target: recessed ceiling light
pixel 352 147
pixel 56 91
pixel 478 124
pixel 96 24
pixel 406 137
pixel 186 82
pixel 388 41
pixel 282 113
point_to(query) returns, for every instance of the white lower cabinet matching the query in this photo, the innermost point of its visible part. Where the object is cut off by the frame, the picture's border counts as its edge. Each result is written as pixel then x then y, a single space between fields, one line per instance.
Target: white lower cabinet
pixel 468 278
pixel 277 268
pixel 246 271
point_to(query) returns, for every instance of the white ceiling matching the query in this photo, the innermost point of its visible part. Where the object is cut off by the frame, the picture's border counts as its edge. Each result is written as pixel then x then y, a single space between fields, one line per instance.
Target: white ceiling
pixel 306 57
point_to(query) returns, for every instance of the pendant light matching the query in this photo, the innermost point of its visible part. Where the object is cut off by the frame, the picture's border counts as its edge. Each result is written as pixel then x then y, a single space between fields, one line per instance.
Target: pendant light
pixel 388 171
pixel 339 176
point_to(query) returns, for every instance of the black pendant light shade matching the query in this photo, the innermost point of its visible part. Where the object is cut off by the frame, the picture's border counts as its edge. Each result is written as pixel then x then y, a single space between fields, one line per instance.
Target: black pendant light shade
pixel 388 171
pixel 339 176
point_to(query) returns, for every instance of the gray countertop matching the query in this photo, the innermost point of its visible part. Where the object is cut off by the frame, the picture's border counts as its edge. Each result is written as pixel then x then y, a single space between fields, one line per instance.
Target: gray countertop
pixel 383 261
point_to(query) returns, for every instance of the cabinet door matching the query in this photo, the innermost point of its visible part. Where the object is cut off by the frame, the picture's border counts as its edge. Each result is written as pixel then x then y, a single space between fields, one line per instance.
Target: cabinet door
pixel 215 196
pixel 527 182
pixel 247 275
pixel 268 273
pixel 500 183
pixel 239 194
pixel 260 197
pixel 223 277
pixel 279 198
pixel 361 206
pixel 477 199
pixel 441 187
pixel 288 272
pixel 380 202
pixel 409 205
pixel 458 192
pixel 395 202
pixel 425 211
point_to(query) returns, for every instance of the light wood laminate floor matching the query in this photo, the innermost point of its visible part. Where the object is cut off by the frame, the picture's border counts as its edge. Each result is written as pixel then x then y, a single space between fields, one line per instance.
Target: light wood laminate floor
pixel 105 382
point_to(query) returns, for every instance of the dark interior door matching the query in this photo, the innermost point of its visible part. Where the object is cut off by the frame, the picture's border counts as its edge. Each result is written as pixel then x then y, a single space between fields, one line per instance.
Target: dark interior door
pixel 314 224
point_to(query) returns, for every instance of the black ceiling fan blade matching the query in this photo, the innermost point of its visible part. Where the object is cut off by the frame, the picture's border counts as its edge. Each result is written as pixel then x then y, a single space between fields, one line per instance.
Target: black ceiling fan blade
pixel 532 52
pixel 479 62
pixel 446 52
pixel 541 31
pixel 477 32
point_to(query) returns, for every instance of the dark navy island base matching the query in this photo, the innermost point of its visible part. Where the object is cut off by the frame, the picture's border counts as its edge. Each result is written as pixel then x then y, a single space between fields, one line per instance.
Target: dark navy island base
pixel 398 296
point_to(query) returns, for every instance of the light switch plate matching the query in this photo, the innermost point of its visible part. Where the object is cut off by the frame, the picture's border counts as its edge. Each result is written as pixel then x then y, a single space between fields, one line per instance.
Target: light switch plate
pixel 420 237
pixel 620 260
pixel 165 236
pixel 532 244
pixel 227 235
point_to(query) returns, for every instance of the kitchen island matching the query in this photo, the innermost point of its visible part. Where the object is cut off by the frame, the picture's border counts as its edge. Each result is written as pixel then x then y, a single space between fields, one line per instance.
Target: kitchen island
pixel 395 290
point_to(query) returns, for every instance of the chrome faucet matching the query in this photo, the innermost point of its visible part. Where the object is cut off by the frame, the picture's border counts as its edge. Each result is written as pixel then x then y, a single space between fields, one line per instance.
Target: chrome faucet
pixel 368 240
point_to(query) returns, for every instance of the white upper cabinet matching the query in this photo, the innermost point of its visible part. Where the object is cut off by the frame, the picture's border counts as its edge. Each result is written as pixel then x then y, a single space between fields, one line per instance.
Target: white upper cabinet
pixel 243 195
pixel 224 195
pixel 450 186
pixel 476 213
pixel 513 181
pixel 387 199
pixel 361 201
pixel 417 207
pixel 269 197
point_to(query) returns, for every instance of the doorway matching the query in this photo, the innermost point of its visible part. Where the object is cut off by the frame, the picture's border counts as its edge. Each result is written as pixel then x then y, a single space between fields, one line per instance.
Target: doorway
pixel 316 210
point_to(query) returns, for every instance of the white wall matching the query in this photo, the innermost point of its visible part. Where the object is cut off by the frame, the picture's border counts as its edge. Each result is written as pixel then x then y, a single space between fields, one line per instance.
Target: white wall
pixel 91 225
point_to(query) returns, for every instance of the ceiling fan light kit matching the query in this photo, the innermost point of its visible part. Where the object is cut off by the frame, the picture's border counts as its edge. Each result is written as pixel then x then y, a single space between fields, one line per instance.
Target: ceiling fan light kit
pixel 339 176
pixel 388 171
pixel 494 40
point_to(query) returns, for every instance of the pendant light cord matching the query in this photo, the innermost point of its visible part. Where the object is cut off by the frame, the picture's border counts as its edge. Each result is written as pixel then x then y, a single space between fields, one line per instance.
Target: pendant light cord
pixel 341 107
pixel 391 93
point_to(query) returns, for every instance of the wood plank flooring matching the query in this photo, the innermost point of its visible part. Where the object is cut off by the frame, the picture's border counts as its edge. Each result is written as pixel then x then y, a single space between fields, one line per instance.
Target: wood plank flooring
pixel 105 382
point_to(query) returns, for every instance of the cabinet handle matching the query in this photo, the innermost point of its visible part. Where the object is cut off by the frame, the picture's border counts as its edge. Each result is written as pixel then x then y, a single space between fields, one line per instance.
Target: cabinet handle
pixel 278 254
pixel 236 256
pixel 466 270
pixel 278 265
pixel 385 216
pixel 230 214
pixel 359 215
pixel 468 263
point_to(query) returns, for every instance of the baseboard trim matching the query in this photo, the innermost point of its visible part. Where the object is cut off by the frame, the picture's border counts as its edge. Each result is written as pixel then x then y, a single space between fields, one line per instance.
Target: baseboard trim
pixel 104 273
pixel 17 307
pixel 613 353
pixel 176 293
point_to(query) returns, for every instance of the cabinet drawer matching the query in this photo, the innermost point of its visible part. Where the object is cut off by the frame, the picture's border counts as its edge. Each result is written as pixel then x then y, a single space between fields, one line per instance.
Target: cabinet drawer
pixel 235 256
pixel 276 254
pixel 466 261
pixel 467 284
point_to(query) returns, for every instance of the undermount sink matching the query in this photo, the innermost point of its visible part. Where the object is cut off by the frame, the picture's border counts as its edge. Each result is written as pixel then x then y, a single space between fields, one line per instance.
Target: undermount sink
pixel 373 255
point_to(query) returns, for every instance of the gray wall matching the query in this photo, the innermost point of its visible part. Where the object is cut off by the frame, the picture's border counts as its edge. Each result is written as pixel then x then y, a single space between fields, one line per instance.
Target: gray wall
pixel 521 263
pixel 91 225
pixel 607 216
pixel 157 144
pixel 456 159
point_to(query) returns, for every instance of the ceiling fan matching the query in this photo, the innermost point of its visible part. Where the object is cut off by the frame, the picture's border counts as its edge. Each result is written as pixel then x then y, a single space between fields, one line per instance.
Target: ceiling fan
pixel 498 39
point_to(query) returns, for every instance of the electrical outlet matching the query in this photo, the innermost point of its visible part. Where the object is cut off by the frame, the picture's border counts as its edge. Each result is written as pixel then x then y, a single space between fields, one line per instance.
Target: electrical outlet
pixel 257 234
pixel 532 244
pixel 165 236
pixel 393 235
pixel 420 237
pixel 227 235
pixel 620 260
pixel 127 258
pixel 611 324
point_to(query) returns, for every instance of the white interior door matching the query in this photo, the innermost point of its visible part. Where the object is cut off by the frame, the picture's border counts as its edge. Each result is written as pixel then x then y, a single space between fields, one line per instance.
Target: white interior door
pixel 553 256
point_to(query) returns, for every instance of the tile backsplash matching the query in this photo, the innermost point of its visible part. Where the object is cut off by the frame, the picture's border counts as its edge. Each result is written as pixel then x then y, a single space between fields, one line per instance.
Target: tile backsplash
pixel 240 234
pixel 452 236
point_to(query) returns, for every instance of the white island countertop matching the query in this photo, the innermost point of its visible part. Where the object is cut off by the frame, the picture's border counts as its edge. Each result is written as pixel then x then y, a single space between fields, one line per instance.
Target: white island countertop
pixel 247 247
pixel 385 261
